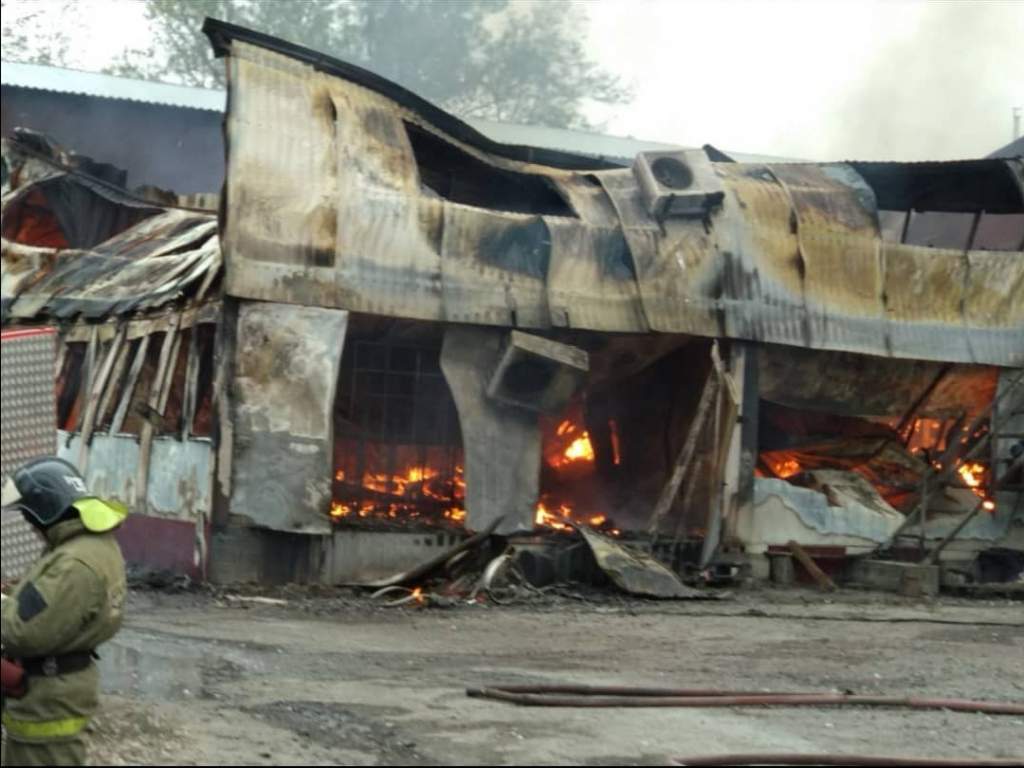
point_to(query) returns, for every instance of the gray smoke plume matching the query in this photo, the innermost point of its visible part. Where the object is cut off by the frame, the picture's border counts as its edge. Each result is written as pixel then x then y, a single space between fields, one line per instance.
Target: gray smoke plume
pixel 945 91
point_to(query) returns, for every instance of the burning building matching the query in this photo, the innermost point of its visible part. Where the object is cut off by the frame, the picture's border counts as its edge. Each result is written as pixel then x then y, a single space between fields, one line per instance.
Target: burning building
pixel 397 331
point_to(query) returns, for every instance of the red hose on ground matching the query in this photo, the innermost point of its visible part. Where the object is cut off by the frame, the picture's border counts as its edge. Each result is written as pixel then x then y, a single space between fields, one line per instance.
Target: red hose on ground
pixel 597 697
pixel 856 760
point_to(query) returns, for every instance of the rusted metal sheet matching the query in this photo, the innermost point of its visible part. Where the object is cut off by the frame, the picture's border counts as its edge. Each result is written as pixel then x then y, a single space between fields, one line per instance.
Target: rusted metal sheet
pixel 382 203
pixel 285 377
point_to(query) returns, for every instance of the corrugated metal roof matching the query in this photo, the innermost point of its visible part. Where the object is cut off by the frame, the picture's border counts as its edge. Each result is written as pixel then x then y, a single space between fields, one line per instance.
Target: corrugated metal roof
pixel 46 78
pixel 1014 149
pixel 619 149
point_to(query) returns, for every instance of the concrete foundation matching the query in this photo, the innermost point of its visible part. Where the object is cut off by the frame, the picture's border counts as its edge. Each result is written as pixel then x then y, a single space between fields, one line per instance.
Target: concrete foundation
pixel 240 554
pixel 909 579
pixel 782 571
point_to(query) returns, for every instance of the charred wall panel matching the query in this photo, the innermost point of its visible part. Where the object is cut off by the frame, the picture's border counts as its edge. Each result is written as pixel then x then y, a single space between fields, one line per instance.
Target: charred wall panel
pixel 285 377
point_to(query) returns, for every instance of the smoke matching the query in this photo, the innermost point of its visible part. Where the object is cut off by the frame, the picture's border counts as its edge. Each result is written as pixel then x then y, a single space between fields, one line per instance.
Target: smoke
pixel 943 91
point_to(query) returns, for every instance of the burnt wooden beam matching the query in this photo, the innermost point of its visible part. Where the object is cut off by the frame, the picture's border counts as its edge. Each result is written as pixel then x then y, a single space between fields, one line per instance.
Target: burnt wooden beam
pixel 685 456
pixel 812 567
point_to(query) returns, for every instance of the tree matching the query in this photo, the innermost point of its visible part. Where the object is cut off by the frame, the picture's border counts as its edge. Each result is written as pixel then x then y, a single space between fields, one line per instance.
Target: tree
pixel 513 62
pixel 28 36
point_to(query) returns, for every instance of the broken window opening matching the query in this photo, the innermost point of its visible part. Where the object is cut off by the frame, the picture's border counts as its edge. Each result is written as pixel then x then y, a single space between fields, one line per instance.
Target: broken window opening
pixel 31 221
pixel 460 177
pixel 639 425
pixel 970 186
pixel 70 212
pixel 115 386
pixel 171 420
pixel 958 231
pixel 202 422
pixel 70 386
pixel 575 454
pixel 139 410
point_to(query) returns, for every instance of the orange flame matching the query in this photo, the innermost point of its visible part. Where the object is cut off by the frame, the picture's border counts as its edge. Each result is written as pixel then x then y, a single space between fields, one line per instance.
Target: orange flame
pixel 548 519
pixel 406 487
pixel 972 474
pixel 613 427
pixel 785 467
pixel 580 449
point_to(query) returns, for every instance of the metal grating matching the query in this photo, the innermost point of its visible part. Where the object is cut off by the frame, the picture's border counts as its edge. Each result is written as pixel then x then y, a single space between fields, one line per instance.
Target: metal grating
pixel 28 428
pixel 396 415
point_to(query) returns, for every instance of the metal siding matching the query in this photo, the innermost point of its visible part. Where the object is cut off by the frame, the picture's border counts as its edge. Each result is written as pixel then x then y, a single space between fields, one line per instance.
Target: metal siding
pixel 28 425
pixel 792 256
pixel 180 473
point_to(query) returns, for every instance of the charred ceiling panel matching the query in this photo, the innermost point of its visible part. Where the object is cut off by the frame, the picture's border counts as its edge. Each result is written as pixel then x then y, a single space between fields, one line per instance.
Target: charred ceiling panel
pixel 286 373
pixel 346 191
pixel 834 382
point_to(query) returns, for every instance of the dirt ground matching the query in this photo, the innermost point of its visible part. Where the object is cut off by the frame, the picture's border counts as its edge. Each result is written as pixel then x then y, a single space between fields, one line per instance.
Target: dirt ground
pixel 198 678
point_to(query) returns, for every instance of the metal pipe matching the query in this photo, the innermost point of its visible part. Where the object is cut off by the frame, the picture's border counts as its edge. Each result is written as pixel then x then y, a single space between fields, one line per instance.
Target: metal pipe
pixel 769 758
pixel 544 696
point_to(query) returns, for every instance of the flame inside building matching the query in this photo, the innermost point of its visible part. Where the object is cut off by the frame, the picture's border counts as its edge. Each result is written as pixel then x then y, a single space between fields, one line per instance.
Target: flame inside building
pixel 398 451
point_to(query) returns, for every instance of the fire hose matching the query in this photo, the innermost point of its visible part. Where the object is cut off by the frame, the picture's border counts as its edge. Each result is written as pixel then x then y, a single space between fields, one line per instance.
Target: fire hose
pixel 806 759
pixel 608 696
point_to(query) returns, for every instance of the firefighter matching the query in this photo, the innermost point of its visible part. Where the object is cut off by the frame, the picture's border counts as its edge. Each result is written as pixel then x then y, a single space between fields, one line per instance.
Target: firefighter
pixel 68 603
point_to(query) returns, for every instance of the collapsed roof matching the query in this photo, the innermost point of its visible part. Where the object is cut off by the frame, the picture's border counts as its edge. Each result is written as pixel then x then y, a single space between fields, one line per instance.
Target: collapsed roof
pixel 77 245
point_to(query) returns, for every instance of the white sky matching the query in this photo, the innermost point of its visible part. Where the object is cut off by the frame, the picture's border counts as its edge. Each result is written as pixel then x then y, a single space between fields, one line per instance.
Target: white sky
pixel 824 79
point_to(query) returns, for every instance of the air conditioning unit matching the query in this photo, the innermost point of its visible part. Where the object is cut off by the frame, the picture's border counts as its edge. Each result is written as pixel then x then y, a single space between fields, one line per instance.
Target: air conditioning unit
pixel 678 184
pixel 537 373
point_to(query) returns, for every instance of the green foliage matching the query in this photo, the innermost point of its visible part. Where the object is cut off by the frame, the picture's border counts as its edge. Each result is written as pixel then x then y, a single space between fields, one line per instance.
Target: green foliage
pixel 520 62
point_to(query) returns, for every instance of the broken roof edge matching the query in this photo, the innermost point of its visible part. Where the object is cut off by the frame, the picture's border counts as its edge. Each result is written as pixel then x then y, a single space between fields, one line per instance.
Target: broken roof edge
pixel 615 150
pixel 221 33
pixel 473 132
pixel 42 148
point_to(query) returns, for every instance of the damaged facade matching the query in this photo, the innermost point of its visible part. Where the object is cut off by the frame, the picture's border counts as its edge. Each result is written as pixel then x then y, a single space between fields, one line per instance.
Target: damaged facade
pixel 418 332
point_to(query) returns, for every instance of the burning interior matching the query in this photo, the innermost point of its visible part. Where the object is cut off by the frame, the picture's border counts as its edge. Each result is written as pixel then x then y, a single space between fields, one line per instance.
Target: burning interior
pixel 399 461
